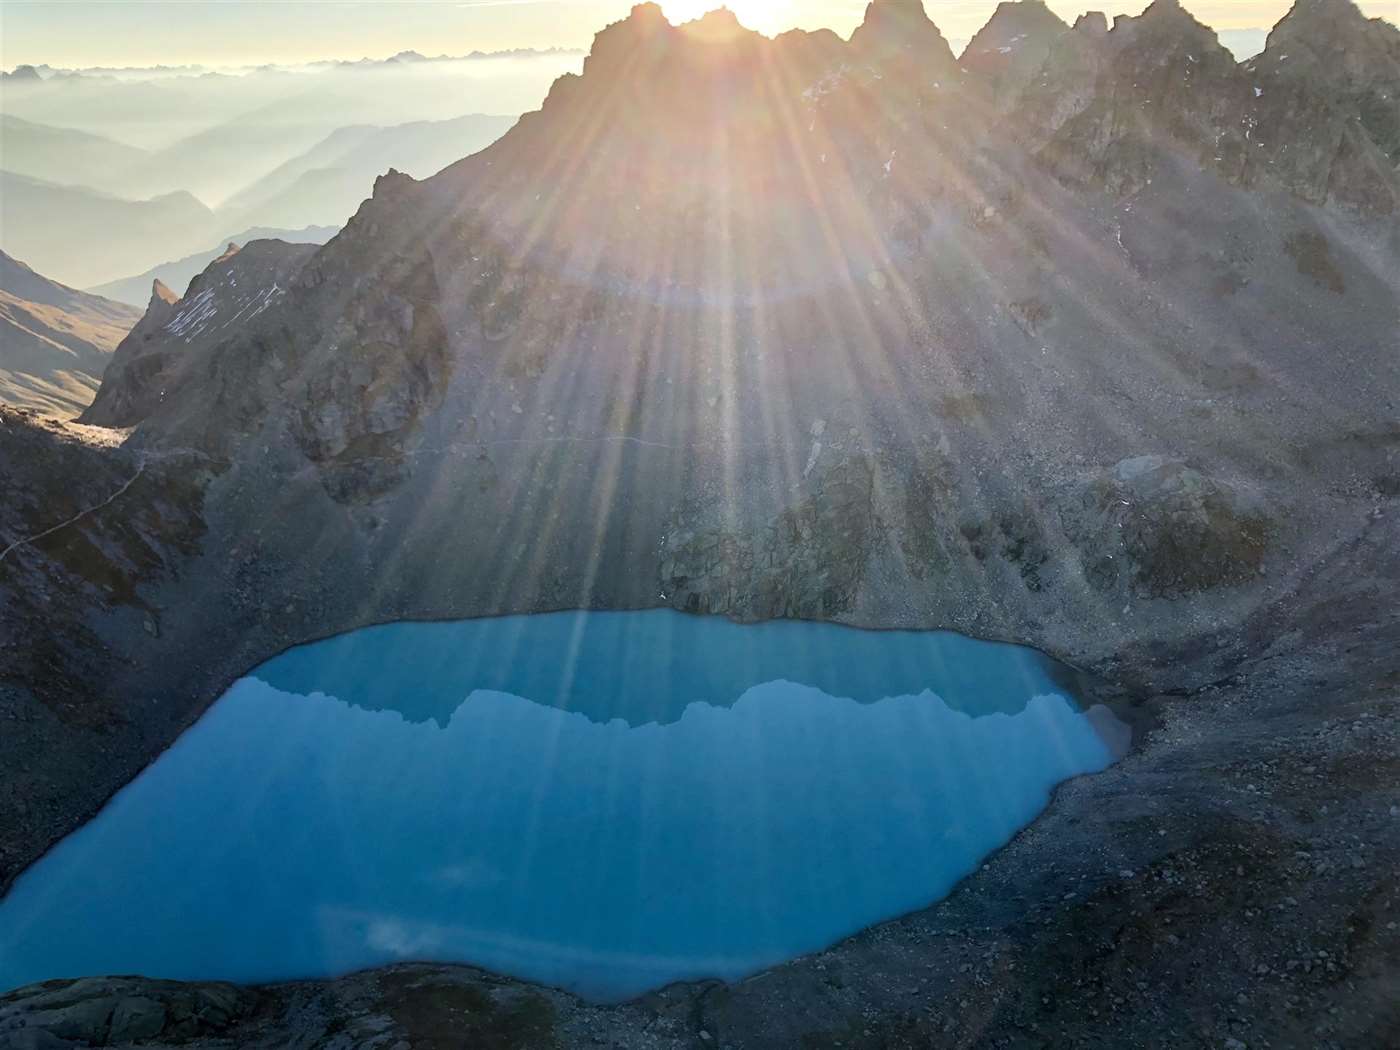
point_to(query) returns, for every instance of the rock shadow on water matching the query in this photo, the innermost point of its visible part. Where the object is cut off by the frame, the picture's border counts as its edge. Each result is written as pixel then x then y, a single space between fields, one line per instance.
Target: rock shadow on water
pixel 650 666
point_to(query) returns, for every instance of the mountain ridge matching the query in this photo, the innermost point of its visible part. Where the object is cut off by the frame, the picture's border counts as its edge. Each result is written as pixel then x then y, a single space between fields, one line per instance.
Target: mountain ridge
pixel 55 154
pixel 53 225
pixel 178 273
pixel 1152 92
pixel 338 171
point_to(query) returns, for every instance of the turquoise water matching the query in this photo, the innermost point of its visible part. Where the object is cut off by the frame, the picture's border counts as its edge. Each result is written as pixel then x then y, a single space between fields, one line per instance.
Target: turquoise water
pixel 607 802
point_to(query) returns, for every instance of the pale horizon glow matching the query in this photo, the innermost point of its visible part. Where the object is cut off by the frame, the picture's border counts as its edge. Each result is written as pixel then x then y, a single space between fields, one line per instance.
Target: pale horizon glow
pixel 221 33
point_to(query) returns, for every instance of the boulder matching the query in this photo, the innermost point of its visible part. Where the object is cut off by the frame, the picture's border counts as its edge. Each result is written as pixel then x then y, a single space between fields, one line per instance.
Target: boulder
pixel 117 1011
pixel 1159 528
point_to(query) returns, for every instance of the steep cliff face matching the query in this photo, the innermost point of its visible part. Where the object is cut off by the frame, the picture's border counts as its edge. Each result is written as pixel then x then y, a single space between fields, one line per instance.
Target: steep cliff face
pixel 1314 114
pixel 1327 104
pixel 1110 108
pixel 180 334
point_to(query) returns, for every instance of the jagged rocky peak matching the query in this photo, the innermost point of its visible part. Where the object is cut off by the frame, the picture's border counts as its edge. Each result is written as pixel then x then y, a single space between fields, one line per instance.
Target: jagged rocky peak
pixel 808 54
pixel 163 306
pixel 900 31
pixel 651 63
pixel 238 286
pixel 1092 24
pixel 644 26
pixel 1334 40
pixel 1015 20
pixel 718 26
pixel 1326 88
pixel 1106 109
pixel 161 293
pixel 1315 113
pixel 1309 23
pixel 392 183
pixel 1166 21
pixel 1011 48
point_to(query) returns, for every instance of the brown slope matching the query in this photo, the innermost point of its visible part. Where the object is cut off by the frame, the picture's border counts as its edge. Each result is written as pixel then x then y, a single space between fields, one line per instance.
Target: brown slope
pixel 55 341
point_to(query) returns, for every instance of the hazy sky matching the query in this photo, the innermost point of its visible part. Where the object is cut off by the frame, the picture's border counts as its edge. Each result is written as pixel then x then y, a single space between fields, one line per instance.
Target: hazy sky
pixel 241 32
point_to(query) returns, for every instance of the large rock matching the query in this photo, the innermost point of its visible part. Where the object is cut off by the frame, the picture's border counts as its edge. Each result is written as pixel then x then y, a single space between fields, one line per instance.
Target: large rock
pixel 807 563
pixel 1160 529
pixel 118 1011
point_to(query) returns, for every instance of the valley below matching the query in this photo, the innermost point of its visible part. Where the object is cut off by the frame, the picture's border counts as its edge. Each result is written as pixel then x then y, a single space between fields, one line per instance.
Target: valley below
pixel 1091 349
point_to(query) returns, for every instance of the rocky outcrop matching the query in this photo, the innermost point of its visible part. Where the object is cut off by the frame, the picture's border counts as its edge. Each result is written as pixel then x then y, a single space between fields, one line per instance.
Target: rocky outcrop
pixel 1155 527
pixel 808 563
pixel 177 336
pixel 119 1011
pixel 1313 114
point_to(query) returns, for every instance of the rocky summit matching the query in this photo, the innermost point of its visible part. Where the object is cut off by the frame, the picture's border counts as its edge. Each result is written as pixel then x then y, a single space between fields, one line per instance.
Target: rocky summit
pixel 1084 339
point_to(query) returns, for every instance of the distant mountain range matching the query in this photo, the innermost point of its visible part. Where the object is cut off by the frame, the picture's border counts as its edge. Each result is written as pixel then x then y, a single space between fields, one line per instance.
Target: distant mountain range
pixel 216 162
pixel 326 183
pixel 57 341
pixel 83 238
pixel 44 71
pixel 65 155
pixel 158 111
pixel 54 223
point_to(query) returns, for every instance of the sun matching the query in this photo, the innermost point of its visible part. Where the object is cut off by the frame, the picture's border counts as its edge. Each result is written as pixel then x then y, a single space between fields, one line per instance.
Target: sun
pixel 767 16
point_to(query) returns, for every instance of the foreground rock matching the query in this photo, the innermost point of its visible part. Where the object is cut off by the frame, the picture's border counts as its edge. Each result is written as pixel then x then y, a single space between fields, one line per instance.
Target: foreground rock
pixel 117 1011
